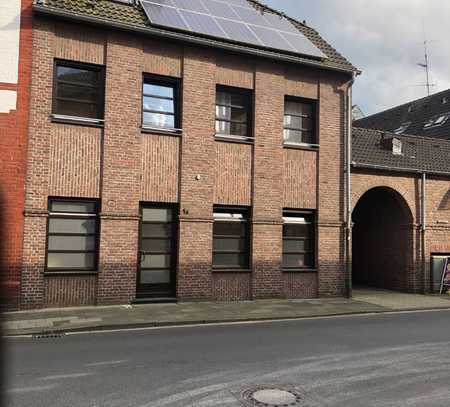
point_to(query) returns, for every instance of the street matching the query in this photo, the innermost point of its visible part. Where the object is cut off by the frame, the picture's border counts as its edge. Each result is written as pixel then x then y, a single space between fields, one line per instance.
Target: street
pixel 373 360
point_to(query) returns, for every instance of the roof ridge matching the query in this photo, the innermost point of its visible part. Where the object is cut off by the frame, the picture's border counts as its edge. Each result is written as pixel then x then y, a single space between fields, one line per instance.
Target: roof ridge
pixel 401 135
pixel 404 104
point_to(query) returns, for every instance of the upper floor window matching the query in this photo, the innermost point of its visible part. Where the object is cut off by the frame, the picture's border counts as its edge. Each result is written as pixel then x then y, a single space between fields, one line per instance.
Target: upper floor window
pixel 299 122
pixel 233 110
pixel 231 239
pixel 78 90
pixel 160 103
pixel 298 240
pixel 72 235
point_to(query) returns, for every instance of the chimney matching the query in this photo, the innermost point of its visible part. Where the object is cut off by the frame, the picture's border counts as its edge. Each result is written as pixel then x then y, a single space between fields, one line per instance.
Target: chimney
pixel 391 143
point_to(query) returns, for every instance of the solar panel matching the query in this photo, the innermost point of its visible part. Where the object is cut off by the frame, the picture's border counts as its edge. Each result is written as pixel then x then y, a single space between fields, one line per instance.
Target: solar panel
pixel 202 23
pixel 238 32
pixel 280 23
pixel 250 16
pixel 272 39
pixel 220 9
pixel 192 5
pixel 233 20
pixel 164 16
pixel 301 44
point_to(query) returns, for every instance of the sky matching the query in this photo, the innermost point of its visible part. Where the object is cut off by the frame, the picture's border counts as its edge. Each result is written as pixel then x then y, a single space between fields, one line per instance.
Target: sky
pixel 384 39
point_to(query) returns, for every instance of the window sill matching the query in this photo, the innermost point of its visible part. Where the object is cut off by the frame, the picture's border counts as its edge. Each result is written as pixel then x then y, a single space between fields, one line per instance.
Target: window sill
pixel 230 270
pixel 82 121
pixel 70 273
pixel 162 132
pixel 302 146
pixel 233 139
pixel 300 270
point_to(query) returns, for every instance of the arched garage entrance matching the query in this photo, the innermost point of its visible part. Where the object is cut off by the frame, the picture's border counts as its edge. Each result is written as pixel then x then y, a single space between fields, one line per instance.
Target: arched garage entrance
pixel 382 239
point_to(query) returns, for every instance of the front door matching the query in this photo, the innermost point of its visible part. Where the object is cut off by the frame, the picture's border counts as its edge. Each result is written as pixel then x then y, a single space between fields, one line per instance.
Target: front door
pixel 157 252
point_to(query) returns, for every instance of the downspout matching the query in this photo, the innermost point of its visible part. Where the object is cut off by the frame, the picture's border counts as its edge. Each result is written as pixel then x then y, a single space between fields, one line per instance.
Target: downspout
pixel 348 189
pixel 424 230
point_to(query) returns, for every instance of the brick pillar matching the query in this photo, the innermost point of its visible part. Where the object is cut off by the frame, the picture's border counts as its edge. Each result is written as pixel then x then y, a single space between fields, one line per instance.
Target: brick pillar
pixel 121 165
pixel 197 159
pixel 268 182
pixel 331 233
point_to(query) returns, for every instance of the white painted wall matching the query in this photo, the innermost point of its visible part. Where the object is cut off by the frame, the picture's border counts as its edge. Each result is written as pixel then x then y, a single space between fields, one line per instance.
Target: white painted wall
pixel 9 50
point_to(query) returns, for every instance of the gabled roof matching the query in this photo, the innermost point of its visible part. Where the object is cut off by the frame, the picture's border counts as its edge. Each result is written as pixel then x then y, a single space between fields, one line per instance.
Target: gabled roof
pixel 417 114
pixel 125 16
pixel 419 154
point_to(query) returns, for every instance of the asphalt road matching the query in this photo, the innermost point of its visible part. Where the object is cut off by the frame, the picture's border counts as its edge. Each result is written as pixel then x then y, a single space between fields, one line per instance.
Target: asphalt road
pixel 380 360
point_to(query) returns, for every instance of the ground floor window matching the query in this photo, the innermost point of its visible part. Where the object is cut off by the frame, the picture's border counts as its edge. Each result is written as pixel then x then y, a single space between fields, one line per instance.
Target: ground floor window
pixel 72 238
pixel 231 242
pixel 298 240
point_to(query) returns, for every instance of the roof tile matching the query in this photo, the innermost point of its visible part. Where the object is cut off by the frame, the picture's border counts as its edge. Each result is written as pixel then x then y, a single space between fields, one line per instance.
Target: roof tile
pixel 133 15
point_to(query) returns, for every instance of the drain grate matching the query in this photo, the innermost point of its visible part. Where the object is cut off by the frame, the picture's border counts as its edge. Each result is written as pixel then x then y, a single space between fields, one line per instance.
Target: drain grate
pixel 49 335
pixel 271 396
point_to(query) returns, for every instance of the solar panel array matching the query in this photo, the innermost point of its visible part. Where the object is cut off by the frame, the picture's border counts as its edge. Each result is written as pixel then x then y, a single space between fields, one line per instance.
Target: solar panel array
pixel 235 20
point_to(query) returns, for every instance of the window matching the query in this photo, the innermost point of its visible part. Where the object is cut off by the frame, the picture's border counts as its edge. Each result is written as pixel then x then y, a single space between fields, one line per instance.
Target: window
pixel 230 239
pixel 299 122
pixel 437 120
pixel 72 236
pixel 403 127
pixel 298 240
pixel 160 104
pixel 78 90
pixel 233 107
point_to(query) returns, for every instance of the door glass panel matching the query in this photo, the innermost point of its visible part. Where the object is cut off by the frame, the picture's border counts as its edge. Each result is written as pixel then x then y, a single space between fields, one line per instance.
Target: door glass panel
pixel 155 277
pixel 155 261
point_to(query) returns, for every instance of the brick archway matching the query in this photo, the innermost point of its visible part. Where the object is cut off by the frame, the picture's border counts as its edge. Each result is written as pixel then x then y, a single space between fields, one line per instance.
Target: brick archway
pixel 382 240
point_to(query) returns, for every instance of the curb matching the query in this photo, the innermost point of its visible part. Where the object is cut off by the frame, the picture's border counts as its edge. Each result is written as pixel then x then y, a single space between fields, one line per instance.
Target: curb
pixel 172 324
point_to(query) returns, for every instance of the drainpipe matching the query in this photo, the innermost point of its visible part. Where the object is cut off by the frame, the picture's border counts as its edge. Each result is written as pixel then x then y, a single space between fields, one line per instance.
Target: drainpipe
pixel 348 189
pixel 423 230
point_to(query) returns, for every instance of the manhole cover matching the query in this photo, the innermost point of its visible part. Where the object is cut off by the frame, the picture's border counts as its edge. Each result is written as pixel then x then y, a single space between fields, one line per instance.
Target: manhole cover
pixel 271 397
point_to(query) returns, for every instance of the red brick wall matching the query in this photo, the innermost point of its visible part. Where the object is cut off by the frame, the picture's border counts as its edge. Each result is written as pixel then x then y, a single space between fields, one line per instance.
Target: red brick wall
pixel 13 147
pixel 122 167
pixel 437 236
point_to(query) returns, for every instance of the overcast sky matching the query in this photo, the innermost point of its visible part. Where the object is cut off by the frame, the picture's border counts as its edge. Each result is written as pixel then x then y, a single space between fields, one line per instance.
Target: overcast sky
pixel 384 39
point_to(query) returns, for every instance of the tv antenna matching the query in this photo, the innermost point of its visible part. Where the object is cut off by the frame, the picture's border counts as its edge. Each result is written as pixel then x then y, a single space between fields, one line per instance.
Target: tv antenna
pixel 426 64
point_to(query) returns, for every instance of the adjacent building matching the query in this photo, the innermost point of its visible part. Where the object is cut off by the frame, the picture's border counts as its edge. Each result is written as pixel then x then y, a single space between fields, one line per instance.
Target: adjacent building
pixel 426 117
pixel 401 210
pixel 15 75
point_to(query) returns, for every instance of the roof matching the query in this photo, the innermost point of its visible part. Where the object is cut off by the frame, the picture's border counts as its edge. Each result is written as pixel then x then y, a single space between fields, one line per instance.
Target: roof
pixel 419 154
pixel 132 17
pixel 417 113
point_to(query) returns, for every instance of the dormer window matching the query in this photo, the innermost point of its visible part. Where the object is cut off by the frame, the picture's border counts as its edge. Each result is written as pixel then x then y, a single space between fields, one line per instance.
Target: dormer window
pixel 437 121
pixel 403 127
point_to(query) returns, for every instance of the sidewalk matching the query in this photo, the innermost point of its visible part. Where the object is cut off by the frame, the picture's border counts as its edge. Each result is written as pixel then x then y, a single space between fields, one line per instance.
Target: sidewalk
pixel 97 318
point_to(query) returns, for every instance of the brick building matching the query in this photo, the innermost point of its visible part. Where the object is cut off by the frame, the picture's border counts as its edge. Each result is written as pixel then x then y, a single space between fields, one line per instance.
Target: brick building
pixel 164 164
pixel 401 158
pixel 15 74
pixel 401 210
